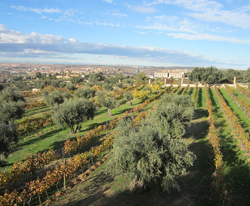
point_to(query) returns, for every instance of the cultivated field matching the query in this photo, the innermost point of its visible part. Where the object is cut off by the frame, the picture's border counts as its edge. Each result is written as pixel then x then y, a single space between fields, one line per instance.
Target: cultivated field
pixel 51 166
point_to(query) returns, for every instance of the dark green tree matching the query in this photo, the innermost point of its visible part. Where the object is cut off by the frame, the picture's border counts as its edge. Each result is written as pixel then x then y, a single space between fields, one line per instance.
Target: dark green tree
pixel 73 112
pixel 70 87
pixel 129 81
pixel 96 77
pixel 10 111
pixel 108 87
pixel 53 98
pixel 86 92
pixel 109 103
pixel 149 155
pixel 173 114
pixel 140 78
pixel 76 80
pixel 38 75
pixel 128 96
pixel 56 83
pixel 120 85
pixel 39 84
pixel 62 84
pixel 10 94
pixel 8 137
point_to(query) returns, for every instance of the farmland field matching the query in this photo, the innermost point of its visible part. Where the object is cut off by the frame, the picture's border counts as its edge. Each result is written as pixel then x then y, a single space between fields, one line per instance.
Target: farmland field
pixel 74 171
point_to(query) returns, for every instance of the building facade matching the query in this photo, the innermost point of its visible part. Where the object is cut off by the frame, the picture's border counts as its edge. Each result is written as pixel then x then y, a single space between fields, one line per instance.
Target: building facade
pixel 177 73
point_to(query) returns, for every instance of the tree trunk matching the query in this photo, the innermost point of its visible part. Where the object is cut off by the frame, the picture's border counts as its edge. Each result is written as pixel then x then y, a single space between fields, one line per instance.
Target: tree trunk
pixel 109 112
pixel 130 103
pixel 78 128
pixel 137 186
pixel 71 130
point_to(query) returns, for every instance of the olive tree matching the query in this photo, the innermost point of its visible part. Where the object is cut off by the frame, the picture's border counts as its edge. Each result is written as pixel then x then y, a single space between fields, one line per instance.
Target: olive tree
pixel 73 112
pixel 173 114
pixel 55 97
pixel 10 94
pixel 148 155
pixel 109 103
pixel 10 111
pixel 11 105
pixel 86 92
pixel 8 137
pixel 128 96
pixel 70 87
pixel 108 87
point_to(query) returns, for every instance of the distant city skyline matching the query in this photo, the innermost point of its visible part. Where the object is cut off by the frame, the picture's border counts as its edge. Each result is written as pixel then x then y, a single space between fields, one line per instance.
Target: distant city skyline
pixel 111 32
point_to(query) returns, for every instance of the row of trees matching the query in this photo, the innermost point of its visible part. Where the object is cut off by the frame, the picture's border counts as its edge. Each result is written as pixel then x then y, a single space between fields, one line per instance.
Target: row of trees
pixel 212 75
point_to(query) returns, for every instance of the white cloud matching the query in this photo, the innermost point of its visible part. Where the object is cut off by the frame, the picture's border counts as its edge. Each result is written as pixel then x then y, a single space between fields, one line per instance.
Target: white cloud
pixel 208 37
pixel 108 1
pixel 165 18
pixel 119 14
pixel 106 24
pixel 245 8
pixel 14 43
pixel 15 37
pixel 142 9
pixel 37 10
pixel 237 19
pixel 170 23
pixel 194 5
pixel 72 40
pixel 211 11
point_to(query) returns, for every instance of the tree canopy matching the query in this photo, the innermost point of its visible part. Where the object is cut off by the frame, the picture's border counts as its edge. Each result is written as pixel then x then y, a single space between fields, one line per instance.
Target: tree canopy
pixel 70 86
pixel 174 113
pixel 140 78
pixel 96 78
pixel 109 103
pixel 150 152
pixel 55 97
pixel 128 96
pixel 212 75
pixel 149 155
pixel 8 137
pixel 73 112
pixel 10 111
pixel 108 87
pixel 86 92
pixel 10 94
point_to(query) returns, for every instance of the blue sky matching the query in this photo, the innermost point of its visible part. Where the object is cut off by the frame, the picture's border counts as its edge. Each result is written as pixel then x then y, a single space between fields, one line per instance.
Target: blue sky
pixel 150 32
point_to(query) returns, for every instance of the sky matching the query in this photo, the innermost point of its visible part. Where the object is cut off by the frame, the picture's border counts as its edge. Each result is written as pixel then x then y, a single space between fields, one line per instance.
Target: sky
pixel 192 33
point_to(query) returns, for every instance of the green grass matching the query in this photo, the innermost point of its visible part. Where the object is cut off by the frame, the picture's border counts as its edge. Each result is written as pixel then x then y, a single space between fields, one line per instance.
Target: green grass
pixel 245 122
pixel 200 99
pixel 35 111
pixel 237 169
pixel 242 96
pixel 190 92
pixel 55 139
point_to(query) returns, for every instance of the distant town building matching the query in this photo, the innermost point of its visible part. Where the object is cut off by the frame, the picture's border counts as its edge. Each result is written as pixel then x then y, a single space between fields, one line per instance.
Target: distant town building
pixel 177 73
